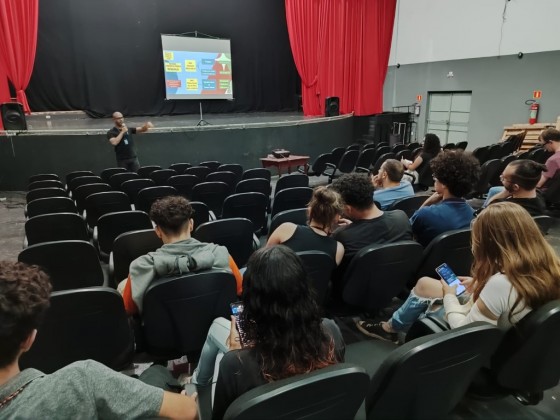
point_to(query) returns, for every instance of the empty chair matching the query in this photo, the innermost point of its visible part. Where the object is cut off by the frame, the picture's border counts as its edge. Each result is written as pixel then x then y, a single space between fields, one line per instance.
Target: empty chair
pixel 369 146
pixel 82 192
pixel 102 203
pixel 365 160
pixel 212 194
pixel 404 154
pixel 55 227
pixel 317 167
pixel 147 196
pixel 133 186
pixel 495 151
pixel 319 267
pixel 145 171
pixel 545 223
pixel 70 264
pixel 334 392
pixel 106 174
pixel 79 325
pixel 345 165
pixel 260 185
pixel 449 146
pixel 224 176
pixel 291 181
pixel 111 225
pixel 413 145
pixel 169 303
pixel 43 177
pixel 251 205
pixel 180 167
pixel 84 180
pixel 201 213
pixel 481 153
pixel 297 216
pixel 50 205
pixel 47 183
pixel 353 147
pixel 380 160
pixel 462 145
pixel 236 168
pixel 336 155
pixel 487 171
pixel 44 193
pixel 116 180
pixel 75 174
pixel 160 176
pixel 212 164
pixel 183 184
pixel 291 198
pixel 199 171
pixel 257 173
pixel 409 204
pixel 398 148
pixel 235 234
pixel 380 150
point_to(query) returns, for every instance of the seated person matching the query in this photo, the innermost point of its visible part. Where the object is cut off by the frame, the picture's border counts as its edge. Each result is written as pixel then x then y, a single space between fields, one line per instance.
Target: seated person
pixel 84 389
pixel 179 254
pixel 430 149
pixel 520 180
pixel 324 210
pixel 390 184
pixel 515 270
pixel 283 333
pixel 455 173
pixel 550 140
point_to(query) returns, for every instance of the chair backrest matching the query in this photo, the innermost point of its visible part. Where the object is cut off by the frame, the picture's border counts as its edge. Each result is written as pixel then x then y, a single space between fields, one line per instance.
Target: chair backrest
pixel 236 168
pixel 178 311
pixel 291 198
pixel 291 181
pixel 43 177
pixel 319 267
pixel 257 173
pixel 82 324
pixel 354 146
pixel 198 171
pixel 481 153
pixel 183 184
pixel 336 155
pixel 84 180
pixel 145 171
pixel 260 185
pixel 409 204
pixel 160 176
pixel 320 164
pixel 70 176
pixel 462 145
pixel 116 180
pixel 129 246
pixel 70 264
pixel 377 273
pixel 413 145
pixel 45 193
pixel 201 213
pixel 223 176
pixel 106 174
pixel 180 167
pixel 552 192
pixel 380 160
pixel 102 203
pixel 380 150
pixel 365 158
pixel 487 171
pixel 348 161
pixel 212 194
pixel 251 205
pixel 235 234
pixel 82 192
pixel 133 186
pixel 297 216
pixel 111 225
pixel 399 147
pixel 212 164
pixel 47 183
pixel 453 248
pixel 404 154
pixel 427 377
pixel 369 146
pixel 449 146
pixel 55 227
pixel 334 392
pixel 50 205
pixel 146 197
pixel 495 151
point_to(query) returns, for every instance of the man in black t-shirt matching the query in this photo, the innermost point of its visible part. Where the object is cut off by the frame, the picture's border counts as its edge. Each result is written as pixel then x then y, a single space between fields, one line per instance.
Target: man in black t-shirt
pixel 120 136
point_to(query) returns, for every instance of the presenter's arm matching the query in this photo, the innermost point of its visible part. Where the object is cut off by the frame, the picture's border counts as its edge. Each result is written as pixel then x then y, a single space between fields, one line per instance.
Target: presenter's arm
pixel 145 127
pixel 117 139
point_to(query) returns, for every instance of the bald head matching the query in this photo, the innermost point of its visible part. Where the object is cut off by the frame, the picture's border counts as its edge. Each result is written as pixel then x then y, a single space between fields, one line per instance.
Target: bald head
pixel 118 119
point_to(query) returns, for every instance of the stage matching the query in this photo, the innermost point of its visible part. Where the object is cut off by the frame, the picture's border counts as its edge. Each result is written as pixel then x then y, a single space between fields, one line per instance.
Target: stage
pixel 61 142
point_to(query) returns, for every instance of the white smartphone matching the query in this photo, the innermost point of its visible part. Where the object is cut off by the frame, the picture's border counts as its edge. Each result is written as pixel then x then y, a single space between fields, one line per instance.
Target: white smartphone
pixel 447 274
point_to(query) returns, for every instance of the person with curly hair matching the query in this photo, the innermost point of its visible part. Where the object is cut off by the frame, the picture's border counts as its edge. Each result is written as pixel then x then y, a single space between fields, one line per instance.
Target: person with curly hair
pixel 84 389
pixel 454 172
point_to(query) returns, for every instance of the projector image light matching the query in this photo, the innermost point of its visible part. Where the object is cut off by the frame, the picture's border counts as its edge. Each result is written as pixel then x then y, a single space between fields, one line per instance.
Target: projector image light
pixel 280 153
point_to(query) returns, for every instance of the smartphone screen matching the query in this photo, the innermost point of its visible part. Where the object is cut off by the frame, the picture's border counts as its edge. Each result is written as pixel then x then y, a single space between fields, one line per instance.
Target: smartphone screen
pixel 236 309
pixel 450 277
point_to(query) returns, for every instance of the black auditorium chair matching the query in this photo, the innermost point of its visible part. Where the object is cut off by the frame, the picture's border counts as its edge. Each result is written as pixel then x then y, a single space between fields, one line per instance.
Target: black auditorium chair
pixel 249 205
pixel 70 264
pixel 106 174
pixel 70 176
pixel 378 273
pixel 380 150
pixel 495 151
pixel 398 148
pixel 82 192
pixel 145 171
pixel 291 181
pixel 236 168
pixel 543 221
pixel 487 171
pixel 365 160
pixel 425 179
pixel 380 160
pixel 336 155
pixel 291 198
pixel 212 164
pixel 178 311
pixel 409 204
pixel 257 173
pixel 449 146
pixel 161 176
pixel 319 267
pixel 297 216
pixel 102 203
pixel 354 146
pixel 48 183
pixel 133 186
pixel 82 324
pixel 201 213
pixel 481 153
pixel 413 145
pixel 45 193
pixel 199 171
pixel 116 180
pixel 212 194
pixel 180 167
pixel 183 184
pixel 317 167
pixel 424 378
pixel 50 205
pixel 334 392
pixel 129 246
pixel 369 146
pixel 403 154
pixel 223 176
pixel 43 177
pixel 147 196
pixel 111 225
pixel 462 145
pixel 84 180
pixel 236 234
pixel 345 165
pixel 55 227
pixel 259 185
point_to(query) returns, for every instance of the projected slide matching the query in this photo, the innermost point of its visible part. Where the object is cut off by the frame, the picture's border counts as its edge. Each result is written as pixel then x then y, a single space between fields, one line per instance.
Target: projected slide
pixel 197 68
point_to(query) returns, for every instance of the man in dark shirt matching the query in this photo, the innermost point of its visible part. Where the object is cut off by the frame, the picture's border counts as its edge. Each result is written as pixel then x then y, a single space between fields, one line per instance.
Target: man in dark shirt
pixel 120 136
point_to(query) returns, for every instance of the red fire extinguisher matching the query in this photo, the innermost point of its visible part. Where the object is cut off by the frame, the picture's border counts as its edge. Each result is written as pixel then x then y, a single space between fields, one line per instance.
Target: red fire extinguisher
pixel 534 112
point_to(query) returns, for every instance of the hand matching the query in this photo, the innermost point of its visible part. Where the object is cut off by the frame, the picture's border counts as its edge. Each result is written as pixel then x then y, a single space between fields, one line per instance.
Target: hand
pixel 434 198
pixel 376 181
pixel 194 395
pixel 344 222
pixel 233 341
pixel 468 282
pixel 149 125
pixel 447 289
pixel 124 128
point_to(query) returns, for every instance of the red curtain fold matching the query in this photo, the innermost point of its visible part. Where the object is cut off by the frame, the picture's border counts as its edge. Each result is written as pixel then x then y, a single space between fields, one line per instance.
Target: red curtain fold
pixel 341 48
pixel 18 42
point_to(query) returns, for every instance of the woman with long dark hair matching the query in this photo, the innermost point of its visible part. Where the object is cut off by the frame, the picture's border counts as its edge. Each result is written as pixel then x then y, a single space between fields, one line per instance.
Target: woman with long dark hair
pixel 430 149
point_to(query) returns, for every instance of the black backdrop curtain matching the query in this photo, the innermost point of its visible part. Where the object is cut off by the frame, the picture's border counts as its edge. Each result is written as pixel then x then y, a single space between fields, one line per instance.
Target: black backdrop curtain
pixel 105 55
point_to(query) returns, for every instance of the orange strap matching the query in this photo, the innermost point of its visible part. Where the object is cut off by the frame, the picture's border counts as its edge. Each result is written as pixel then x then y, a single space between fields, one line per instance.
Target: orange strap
pixel 129 305
pixel 237 274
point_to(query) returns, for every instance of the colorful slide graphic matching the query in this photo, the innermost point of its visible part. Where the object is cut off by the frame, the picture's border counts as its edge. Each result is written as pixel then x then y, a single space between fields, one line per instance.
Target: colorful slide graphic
pixel 197 73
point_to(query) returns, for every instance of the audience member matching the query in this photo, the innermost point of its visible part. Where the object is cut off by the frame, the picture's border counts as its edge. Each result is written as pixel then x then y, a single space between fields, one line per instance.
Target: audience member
pixel 84 389
pixel 180 253
pixel 390 184
pixel 515 270
pixel 550 139
pixel 430 149
pixel 454 174
pixel 324 211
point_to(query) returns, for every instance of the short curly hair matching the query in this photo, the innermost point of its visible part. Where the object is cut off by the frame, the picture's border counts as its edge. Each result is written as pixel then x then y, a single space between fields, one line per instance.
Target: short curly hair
pixel 356 190
pixel 24 299
pixel 171 214
pixel 457 170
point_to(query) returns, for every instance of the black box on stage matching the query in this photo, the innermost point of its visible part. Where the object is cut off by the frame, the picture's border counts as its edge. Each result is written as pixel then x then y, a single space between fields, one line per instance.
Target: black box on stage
pixel 13 117
pixel 280 153
pixel 332 106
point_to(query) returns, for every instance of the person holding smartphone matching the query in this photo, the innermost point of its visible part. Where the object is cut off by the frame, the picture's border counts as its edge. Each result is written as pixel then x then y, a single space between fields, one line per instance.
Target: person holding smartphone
pixel 515 270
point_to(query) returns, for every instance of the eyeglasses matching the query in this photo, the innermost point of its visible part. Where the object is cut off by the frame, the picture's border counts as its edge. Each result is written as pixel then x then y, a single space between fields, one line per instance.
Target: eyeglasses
pixel 503 178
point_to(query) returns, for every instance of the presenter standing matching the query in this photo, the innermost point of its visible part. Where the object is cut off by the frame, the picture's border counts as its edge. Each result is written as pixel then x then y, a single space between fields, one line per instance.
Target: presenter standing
pixel 120 136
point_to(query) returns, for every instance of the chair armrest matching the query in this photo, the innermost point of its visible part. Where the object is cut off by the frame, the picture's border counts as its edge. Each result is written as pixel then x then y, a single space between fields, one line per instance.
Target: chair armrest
pixel 426 326
pixel 256 242
pixel 301 169
pixel 25 242
pixel 360 169
pixel 212 216
pixel 95 238
pixel 111 267
pixel 411 175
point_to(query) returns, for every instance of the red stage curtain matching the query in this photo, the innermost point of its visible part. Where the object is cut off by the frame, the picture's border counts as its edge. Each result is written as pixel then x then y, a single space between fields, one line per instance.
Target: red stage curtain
pixel 341 48
pixel 18 41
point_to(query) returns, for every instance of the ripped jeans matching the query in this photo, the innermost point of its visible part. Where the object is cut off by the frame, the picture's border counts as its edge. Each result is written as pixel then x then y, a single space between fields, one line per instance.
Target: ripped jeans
pixel 413 308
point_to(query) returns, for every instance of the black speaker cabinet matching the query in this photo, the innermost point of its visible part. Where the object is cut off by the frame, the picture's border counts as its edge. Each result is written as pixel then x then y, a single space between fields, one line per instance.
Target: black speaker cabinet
pixel 13 117
pixel 331 106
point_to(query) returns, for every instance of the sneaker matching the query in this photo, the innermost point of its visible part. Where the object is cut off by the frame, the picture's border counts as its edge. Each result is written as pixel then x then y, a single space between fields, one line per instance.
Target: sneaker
pixel 376 330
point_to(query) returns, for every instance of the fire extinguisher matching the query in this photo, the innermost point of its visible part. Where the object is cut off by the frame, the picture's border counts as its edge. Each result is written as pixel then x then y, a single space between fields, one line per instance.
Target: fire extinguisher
pixel 534 112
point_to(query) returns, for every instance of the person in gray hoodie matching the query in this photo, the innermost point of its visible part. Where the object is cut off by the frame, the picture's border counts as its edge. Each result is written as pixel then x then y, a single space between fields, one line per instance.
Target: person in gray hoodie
pixel 179 254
